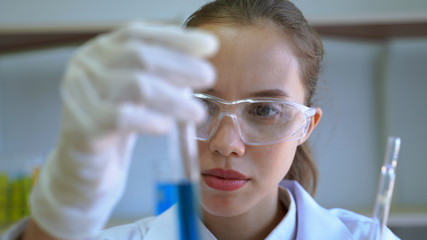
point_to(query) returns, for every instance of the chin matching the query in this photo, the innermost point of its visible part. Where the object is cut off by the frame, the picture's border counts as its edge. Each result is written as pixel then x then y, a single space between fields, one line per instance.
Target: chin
pixel 222 206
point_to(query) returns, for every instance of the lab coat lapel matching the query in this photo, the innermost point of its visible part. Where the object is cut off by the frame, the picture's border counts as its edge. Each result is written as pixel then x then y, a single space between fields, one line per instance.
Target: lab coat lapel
pixel 314 221
pixel 165 226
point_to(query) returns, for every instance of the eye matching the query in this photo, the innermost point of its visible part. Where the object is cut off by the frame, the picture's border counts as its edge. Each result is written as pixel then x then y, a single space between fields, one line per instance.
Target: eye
pixel 264 110
pixel 210 106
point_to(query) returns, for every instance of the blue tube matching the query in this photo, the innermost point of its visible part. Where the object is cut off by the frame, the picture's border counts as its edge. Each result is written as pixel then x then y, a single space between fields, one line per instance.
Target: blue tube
pixel 187 211
pixel 166 196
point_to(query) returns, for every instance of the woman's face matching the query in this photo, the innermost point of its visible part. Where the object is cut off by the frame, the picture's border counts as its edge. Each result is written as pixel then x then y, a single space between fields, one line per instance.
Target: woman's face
pixel 252 62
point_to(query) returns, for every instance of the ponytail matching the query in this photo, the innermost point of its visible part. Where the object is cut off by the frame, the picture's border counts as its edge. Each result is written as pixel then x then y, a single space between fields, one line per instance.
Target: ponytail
pixel 304 169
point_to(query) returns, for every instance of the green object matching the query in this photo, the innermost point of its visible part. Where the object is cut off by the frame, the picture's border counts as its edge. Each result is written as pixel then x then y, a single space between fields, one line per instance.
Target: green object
pixel 14 196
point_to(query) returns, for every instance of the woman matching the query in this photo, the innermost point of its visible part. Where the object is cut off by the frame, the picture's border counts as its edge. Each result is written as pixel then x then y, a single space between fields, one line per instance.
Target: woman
pixel 259 117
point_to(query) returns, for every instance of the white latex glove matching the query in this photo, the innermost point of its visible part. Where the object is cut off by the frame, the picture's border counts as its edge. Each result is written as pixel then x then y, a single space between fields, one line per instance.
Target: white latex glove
pixel 133 80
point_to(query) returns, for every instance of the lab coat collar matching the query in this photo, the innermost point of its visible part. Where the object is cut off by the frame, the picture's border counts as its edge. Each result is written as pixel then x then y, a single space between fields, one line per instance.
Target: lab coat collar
pixel 165 227
pixel 314 221
pixel 286 229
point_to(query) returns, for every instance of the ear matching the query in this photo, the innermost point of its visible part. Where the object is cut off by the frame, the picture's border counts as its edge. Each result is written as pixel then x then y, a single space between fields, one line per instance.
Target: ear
pixel 313 123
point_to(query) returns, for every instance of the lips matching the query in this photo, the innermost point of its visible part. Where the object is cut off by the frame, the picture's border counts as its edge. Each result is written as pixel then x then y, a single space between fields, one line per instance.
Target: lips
pixel 224 179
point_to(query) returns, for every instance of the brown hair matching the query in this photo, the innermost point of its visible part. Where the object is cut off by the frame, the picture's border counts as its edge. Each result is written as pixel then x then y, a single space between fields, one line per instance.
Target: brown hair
pixel 308 50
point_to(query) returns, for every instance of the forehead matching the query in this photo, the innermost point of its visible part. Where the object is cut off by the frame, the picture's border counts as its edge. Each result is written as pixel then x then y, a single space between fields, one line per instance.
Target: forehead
pixel 254 59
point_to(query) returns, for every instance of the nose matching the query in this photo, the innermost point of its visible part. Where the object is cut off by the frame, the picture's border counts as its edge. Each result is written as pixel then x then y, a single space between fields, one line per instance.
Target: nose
pixel 226 139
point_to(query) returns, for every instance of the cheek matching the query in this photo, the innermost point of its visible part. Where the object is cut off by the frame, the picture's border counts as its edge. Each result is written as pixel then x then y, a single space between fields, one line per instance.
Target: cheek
pixel 202 147
pixel 204 153
pixel 274 161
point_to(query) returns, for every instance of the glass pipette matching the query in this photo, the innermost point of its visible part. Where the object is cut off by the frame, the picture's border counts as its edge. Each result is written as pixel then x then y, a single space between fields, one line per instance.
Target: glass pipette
pixel 385 188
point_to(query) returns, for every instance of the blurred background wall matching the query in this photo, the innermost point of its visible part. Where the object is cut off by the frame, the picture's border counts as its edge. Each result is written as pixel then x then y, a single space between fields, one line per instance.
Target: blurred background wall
pixel 369 89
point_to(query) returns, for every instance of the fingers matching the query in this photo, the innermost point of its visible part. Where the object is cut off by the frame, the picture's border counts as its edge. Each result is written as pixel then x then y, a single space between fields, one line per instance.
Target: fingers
pixel 199 43
pixel 170 100
pixel 154 106
pixel 132 118
pixel 106 57
pixel 155 92
pixel 177 68
pixel 136 79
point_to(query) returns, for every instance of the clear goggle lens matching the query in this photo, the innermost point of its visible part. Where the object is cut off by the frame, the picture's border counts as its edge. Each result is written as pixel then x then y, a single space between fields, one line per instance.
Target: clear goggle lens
pixel 259 121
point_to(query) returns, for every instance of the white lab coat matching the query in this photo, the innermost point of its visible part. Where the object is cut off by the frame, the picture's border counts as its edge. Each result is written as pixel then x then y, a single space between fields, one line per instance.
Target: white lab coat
pixel 305 220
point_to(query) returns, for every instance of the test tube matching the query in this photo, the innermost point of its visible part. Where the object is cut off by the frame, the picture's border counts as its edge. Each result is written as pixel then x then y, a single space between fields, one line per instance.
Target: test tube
pixel 187 189
pixel 179 179
pixel 168 174
pixel 385 188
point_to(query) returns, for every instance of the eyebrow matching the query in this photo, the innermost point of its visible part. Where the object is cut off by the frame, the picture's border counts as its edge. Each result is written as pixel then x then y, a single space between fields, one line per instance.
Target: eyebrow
pixel 273 93
pixel 270 93
pixel 210 91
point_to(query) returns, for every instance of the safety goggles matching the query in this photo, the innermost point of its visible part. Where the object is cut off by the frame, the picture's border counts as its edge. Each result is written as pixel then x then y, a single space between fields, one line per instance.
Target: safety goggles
pixel 259 121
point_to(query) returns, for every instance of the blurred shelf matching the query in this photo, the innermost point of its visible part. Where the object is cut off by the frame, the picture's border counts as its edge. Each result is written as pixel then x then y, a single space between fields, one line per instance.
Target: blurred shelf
pixel 373 27
pixel 12 42
pixel 20 38
pixel 373 31
pixel 404 216
pixel 408 220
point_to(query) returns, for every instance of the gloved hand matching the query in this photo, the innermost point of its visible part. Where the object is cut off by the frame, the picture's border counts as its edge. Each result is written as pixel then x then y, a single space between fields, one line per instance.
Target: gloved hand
pixel 133 80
